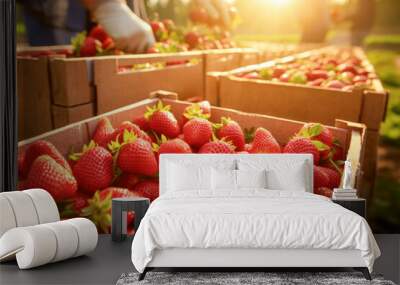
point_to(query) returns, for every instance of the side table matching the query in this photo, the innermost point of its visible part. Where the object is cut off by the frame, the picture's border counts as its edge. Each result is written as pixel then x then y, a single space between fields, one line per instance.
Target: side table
pixel 358 205
pixel 119 209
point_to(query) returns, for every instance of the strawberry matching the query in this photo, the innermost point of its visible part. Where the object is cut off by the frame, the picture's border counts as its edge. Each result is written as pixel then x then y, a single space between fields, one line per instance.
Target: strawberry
pixel 321 178
pixel 172 146
pixel 337 152
pixel 126 125
pixel 47 174
pixel 198 14
pixel 231 131
pixel 324 191
pixel 142 123
pixel 147 188
pixel 134 155
pixel 127 180
pixel 162 121
pixel 93 169
pixel 197 132
pixel 159 30
pixel 98 33
pixel 103 132
pixel 194 111
pixel 264 142
pixel 90 47
pixel 73 207
pixel 169 25
pixel 99 207
pixel 41 147
pixel 22 185
pixel 302 145
pixel 21 165
pixel 333 175
pixel 321 136
pixel 316 131
pixel 217 146
pixel 108 44
pixel 192 39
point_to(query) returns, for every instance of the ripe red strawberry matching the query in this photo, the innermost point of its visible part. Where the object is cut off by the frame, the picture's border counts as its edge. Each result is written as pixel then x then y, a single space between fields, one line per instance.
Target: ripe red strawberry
pixel 22 185
pixel 162 121
pixel 172 146
pixel 169 25
pixel 89 47
pixel 264 142
pixel 93 169
pixel 337 152
pixel 159 30
pixel 197 132
pixel 334 177
pixel 128 126
pixel 194 111
pixel 199 15
pixel 47 174
pixel 302 145
pixel 316 131
pixel 217 147
pixel 73 207
pixel 21 165
pixel 142 123
pixel 321 178
pixel 127 180
pixel 135 155
pixel 99 208
pixel 324 191
pixel 108 44
pixel 41 147
pixel 147 188
pixel 103 132
pixel 98 33
pixel 192 39
pixel 231 131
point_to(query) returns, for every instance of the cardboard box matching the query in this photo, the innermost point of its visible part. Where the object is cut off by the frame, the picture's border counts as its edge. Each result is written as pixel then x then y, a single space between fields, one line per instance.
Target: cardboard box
pixel 351 135
pixel 301 102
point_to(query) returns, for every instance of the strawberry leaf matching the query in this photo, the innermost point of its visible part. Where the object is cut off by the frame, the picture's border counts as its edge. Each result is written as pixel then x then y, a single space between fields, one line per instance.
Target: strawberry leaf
pixel 315 130
pixel 319 145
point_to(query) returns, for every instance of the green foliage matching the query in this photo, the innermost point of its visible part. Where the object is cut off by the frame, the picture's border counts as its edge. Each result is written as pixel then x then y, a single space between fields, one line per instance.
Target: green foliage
pixel 385 65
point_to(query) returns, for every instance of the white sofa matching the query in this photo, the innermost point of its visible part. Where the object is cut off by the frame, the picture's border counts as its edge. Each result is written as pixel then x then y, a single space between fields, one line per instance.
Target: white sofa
pixel 31 231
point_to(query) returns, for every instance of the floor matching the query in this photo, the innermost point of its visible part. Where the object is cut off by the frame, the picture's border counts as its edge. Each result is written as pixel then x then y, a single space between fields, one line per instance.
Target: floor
pixel 110 260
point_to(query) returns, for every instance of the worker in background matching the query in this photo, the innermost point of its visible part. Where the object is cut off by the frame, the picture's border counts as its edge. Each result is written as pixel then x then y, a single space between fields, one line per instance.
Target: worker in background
pixel 54 22
pixel 362 20
pixel 314 17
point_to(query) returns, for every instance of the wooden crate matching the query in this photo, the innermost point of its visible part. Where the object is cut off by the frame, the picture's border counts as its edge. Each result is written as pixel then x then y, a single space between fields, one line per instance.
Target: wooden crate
pixel 228 59
pixel 300 102
pixel 117 88
pixel 34 100
pixel 351 135
pixel 63 116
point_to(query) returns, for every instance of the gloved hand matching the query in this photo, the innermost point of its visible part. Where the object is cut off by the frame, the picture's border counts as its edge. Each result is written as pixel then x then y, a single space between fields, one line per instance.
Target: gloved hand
pixel 130 33
pixel 218 10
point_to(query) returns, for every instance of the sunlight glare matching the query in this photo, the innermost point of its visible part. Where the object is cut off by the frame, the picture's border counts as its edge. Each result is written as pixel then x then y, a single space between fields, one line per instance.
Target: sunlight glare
pixel 280 2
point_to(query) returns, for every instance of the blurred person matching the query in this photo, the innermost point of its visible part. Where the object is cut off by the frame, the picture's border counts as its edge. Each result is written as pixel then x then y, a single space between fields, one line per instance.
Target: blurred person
pixel 55 22
pixel 314 20
pixel 362 20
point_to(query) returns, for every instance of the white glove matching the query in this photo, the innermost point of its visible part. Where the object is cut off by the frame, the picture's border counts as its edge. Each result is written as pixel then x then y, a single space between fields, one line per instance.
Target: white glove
pixel 129 32
pixel 217 9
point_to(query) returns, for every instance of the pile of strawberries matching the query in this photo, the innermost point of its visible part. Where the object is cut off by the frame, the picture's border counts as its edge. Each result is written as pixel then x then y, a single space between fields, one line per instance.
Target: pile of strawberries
pixel 96 43
pixel 206 33
pixel 342 70
pixel 122 161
